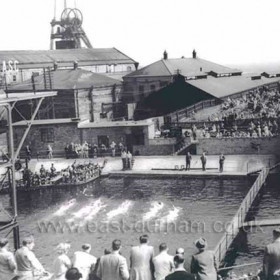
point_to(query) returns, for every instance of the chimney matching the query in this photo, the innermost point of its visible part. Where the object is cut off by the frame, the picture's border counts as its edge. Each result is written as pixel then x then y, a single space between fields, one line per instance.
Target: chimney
pixel 194 54
pixel 55 65
pixel 76 64
pixel 165 55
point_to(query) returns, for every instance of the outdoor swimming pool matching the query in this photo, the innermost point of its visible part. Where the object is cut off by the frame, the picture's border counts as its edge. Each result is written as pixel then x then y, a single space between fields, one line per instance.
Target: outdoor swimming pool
pixel 175 211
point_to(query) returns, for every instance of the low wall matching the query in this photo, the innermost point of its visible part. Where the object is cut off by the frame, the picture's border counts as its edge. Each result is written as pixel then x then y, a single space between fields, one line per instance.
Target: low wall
pixel 162 141
pixel 153 150
pixel 230 146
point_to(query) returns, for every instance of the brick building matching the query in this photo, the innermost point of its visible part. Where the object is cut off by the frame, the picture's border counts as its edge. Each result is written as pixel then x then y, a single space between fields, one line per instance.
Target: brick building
pixel 81 94
pixel 86 108
pixel 143 82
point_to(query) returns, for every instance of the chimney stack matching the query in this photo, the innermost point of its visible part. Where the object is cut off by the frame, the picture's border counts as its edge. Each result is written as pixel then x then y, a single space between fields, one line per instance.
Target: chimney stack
pixel 76 64
pixel 165 55
pixel 194 54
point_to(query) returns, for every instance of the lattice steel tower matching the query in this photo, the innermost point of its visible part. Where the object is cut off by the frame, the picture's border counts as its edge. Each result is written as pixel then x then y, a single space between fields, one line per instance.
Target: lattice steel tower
pixel 68 33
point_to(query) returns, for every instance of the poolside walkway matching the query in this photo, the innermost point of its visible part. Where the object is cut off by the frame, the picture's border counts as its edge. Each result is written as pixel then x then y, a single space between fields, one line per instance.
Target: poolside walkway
pixel 235 165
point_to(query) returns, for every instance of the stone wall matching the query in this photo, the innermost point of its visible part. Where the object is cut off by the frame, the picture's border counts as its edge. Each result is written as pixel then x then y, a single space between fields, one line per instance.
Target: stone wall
pixel 212 146
pixel 63 134
pixel 153 150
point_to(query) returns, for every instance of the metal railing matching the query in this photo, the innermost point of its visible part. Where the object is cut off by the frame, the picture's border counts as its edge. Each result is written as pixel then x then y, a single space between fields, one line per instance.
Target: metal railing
pixel 237 221
pixel 186 112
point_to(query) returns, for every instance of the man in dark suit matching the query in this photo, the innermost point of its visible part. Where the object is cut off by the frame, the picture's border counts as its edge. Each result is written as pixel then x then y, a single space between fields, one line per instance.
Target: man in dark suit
pixel 221 162
pixel 113 266
pixel 203 161
pixel 203 263
pixel 188 161
pixel 271 260
pixel 179 273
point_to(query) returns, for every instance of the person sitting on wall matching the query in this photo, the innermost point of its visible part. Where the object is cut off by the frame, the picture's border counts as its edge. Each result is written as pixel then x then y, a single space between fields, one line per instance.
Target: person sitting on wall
pixel 53 171
pixel 42 171
pixel 36 179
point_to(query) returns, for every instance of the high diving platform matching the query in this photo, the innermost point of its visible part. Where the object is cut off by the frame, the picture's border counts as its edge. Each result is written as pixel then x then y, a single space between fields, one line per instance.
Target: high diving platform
pixel 8 219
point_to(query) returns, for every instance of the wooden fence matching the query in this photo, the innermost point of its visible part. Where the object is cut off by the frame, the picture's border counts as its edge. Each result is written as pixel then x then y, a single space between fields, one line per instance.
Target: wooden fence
pixel 236 223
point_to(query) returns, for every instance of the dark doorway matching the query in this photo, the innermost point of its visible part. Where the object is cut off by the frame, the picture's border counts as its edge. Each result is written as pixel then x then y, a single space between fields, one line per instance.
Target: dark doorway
pixel 103 139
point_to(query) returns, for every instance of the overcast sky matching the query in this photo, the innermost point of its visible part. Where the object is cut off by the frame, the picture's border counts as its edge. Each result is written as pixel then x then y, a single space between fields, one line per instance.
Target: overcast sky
pixel 223 31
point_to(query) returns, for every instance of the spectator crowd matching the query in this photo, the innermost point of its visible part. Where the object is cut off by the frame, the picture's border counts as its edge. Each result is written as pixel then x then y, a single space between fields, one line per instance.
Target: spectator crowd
pixel 264 104
pixel 253 129
pixel 144 265
pixel 86 150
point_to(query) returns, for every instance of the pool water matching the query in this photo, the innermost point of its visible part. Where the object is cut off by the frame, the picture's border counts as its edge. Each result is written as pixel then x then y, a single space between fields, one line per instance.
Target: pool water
pixel 172 210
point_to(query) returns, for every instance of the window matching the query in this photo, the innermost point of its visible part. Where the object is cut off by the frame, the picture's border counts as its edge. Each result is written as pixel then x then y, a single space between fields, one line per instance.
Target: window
pixel 141 89
pixel 129 68
pixel 47 134
pixel 14 78
pixel 152 87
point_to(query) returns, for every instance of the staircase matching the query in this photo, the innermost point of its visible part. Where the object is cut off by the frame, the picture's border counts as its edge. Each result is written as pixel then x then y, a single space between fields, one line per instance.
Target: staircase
pixel 181 150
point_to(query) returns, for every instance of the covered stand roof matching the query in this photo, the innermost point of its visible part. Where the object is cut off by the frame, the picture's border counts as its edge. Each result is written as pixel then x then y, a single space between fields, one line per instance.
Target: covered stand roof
pixel 175 96
pixel 226 86
pixel 68 79
pixel 65 57
pixel 185 66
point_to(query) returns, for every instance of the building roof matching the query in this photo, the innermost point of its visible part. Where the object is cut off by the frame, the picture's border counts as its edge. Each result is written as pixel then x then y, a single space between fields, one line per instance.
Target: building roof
pixel 226 86
pixel 65 57
pixel 185 66
pixel 68 79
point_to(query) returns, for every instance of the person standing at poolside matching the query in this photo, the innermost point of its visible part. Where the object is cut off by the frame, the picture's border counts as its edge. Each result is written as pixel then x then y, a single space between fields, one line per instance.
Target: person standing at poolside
pixel 221 162
pixel 27 263
pixel 123 156
pixel 141 260
pixel 62 262
pixel 113 148
pixel 271 260
pixel 7 261
pixel 180 273
pixel 203 264
pixel 84 261
pixel 163 263
pixel 113 266
pixel 50 151
pixel 188 161
pixel 203 159
pixel 129 160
